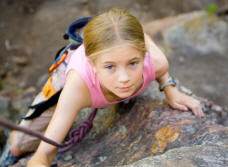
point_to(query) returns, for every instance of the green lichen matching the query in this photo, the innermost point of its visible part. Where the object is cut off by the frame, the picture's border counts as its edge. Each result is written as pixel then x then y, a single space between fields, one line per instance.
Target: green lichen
pixel 211 9
pixel 123 130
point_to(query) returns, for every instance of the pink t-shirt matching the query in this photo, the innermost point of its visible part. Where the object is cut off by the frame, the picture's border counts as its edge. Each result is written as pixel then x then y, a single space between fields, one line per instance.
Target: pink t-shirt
pixel 79 62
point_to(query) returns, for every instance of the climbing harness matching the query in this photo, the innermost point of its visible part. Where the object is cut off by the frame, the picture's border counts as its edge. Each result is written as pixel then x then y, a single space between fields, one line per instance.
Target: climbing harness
pixel 52 95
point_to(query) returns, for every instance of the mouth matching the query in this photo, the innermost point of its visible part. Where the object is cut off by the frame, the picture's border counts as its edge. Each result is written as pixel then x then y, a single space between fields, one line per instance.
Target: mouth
pixel 124 89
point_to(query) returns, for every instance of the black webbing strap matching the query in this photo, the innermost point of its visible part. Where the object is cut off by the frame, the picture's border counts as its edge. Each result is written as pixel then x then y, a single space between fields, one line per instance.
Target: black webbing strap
pixel 43 106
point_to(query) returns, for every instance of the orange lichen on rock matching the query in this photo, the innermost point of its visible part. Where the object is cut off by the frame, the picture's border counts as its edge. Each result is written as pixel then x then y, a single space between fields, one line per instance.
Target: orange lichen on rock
pixel 183 122
pixel 163 136
pixel 134 142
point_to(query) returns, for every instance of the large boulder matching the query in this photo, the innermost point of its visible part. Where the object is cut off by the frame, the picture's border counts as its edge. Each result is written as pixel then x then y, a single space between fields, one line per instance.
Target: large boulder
pixel 146 127
pixel 209 153
pixel 197 33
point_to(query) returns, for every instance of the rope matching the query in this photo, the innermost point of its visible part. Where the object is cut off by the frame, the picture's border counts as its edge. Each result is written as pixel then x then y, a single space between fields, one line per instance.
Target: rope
pixel 75 135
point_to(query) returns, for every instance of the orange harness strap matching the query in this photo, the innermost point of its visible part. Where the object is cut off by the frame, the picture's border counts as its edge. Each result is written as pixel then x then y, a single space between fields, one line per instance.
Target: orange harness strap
pixel 55 65
pixel 48 89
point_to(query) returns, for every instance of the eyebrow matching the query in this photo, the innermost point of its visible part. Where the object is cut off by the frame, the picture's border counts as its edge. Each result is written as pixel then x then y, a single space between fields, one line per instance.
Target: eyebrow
pixel 135 58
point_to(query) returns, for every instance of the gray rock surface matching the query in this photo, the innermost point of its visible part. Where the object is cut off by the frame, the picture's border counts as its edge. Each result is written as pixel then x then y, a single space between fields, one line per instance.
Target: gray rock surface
pixel 214 154
pixel 197 33
pixel 146 127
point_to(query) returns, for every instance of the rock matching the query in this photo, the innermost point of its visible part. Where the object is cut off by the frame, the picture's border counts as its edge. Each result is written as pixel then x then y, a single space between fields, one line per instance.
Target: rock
pixel 104 119
pixel 148 128
pixel 4 104
pixel 197 33
pixel 2 25
pixel 22 60
pixel 22 102
pixel 1 85
pixel 3 72
pixel 96 7
pixel 200 155
pixel 29 92
pixel 67 158
pixel 149 10
pixel 6 108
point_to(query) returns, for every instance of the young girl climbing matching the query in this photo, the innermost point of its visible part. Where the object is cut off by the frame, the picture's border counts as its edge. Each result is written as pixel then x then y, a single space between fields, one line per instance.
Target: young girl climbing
pixel 116 61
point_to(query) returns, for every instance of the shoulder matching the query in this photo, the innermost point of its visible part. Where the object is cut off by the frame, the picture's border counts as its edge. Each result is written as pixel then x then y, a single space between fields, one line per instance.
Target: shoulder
pixel 157 56
pixel 76 89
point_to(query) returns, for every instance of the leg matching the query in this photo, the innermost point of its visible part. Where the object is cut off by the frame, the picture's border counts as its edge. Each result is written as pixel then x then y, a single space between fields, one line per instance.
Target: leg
pixel 21 143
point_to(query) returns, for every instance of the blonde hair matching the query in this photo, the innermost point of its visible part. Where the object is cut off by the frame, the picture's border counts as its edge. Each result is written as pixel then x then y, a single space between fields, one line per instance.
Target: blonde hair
pixel 110 29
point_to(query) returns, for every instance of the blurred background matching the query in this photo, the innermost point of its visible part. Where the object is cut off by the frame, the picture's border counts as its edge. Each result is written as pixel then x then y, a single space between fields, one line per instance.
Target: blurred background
pixel 192 33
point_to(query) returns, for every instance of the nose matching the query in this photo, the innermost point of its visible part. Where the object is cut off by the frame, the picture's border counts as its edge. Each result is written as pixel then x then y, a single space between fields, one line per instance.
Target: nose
pixel 123 76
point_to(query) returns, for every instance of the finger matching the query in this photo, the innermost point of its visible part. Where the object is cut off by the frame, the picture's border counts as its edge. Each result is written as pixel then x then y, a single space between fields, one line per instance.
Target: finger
pixel 193 108
pixel 196 108
pixel 180 107
pixel 201 110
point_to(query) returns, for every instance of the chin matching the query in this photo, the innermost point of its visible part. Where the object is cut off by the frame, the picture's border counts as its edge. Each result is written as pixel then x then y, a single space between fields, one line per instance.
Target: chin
pixel 124 95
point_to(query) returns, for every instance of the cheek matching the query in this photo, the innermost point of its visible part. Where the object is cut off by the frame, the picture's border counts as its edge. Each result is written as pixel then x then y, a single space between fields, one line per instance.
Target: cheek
pixel 137 73
pixel 106 78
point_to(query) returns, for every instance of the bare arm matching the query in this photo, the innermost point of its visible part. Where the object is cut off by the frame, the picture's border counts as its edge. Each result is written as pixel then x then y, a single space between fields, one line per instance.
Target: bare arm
pixel 176 99
pixel 160 61
pixel 75 96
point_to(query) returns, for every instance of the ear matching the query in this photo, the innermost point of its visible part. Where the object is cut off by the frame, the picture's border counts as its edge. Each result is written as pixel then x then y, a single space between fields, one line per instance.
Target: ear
pixel 92 63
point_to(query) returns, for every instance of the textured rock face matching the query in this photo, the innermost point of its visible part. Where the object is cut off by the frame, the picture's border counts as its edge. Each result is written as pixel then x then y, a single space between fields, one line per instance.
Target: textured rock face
pixel 148 128
pixel 213 154
pixel 197 33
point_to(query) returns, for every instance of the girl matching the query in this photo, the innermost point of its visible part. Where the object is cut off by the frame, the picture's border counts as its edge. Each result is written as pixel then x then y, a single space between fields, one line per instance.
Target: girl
pixel 116 61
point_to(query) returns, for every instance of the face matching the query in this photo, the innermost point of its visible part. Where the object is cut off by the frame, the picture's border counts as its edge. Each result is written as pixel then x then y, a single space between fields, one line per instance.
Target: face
pixel 119 70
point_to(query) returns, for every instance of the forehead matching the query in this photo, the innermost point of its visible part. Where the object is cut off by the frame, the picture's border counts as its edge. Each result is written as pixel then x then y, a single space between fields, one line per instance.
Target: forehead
pixel 119 54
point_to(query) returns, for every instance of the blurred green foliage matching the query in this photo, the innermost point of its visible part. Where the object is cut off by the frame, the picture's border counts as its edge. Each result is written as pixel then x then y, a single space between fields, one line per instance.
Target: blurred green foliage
pixel 212 8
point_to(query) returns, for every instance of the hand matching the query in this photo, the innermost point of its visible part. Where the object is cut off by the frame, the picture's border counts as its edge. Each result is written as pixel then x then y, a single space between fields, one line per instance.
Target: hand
pixel 180 101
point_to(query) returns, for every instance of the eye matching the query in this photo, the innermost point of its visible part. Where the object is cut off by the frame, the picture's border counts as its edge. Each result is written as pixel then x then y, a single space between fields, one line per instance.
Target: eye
pixel 109 67
pixel 133 63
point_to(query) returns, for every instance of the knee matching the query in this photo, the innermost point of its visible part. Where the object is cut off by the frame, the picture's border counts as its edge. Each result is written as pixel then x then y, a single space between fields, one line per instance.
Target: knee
pixel 15 151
